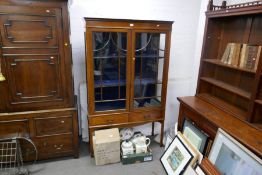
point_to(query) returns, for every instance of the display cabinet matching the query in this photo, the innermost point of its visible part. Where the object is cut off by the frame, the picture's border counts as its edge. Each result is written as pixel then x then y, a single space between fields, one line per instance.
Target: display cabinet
pixel 127 67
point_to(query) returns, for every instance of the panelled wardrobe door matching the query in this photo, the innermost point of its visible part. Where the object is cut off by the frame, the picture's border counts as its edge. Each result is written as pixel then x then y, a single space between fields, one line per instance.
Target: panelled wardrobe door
pixel 32 49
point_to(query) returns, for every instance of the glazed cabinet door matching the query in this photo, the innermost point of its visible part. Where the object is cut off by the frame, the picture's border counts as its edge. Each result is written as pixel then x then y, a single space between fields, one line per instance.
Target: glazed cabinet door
pixel 32 51
pixel 107 57
pixel 150 56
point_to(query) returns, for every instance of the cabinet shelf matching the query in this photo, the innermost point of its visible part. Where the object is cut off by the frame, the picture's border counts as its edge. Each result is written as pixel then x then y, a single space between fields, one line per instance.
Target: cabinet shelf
pixel 109 56
pixel 227 87
pixel 109 83
pixel 240 113
pixel 116 82
pixel 149 56
pixel 124 56
pixel 219 63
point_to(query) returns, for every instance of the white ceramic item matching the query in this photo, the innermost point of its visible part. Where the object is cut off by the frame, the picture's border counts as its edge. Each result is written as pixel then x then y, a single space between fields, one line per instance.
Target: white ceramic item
pixel 141 143
pixel 127 148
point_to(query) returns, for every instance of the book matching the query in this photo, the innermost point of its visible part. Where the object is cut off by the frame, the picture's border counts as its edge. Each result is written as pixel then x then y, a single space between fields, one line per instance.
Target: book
pixel 258 57
pixel 236 54
pixel 243 55
pixel 251 57
pixel 231 53
pixel 226 53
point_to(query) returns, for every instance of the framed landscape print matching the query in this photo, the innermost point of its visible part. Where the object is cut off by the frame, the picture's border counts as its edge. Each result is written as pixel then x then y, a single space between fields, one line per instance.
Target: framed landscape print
pixel 196 136
pixel 232 158
pixel 176 157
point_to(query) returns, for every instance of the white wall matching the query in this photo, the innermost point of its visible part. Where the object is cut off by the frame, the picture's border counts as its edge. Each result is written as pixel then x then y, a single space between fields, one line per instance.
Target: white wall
pixel 186 41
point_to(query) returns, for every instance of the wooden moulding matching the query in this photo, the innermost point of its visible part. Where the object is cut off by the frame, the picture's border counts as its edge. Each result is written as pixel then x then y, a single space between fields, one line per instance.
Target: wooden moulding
pixel 208 167
pixel 234 10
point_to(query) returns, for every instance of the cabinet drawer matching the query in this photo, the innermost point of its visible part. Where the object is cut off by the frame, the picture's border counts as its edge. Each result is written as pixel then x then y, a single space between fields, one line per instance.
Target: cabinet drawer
pixel 47 146
pixel 53 125
pixel 145 116
pixel 13 128
pixel 108 119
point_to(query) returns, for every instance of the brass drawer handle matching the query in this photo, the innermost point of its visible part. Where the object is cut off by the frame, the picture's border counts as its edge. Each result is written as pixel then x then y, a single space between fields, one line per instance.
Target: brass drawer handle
pixel 59 147
pixel 62 121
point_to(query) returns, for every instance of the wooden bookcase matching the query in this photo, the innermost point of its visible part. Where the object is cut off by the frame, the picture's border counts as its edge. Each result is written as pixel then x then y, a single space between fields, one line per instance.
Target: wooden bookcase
pixel 235 90
pixel 228 97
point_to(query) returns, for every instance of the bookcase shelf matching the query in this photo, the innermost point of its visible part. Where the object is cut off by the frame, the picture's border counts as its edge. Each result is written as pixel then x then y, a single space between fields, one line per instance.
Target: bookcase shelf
pixel 227 87
pixel 219 63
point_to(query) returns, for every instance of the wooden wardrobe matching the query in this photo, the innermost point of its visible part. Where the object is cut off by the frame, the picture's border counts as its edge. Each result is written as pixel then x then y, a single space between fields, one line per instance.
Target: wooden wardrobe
pixel 37 98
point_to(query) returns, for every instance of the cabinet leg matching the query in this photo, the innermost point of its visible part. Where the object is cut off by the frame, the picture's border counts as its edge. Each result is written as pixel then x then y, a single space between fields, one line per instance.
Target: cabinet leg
pixel 91 142
pixel 162 133
pixel 153 129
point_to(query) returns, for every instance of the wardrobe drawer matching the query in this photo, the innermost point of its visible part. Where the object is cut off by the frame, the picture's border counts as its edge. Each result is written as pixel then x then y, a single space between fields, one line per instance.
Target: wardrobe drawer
pixel 12 128
pixel 145 116
pixel 54 144
pixel 53 125
pixel 108 119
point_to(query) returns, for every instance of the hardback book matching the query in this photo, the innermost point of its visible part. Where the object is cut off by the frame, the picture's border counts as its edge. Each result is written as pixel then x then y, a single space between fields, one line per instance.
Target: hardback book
pixel 236 54
pixel 226 53
pixel 243 55
pixel 231 53
pixel 251 57
pixel 258 56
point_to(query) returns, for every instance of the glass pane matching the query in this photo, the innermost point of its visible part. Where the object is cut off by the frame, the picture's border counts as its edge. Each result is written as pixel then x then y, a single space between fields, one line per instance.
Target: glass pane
pixel 109 53
pixel 149 63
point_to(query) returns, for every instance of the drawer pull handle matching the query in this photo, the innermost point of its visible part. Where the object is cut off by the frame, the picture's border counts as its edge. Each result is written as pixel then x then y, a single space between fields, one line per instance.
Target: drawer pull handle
pixel 62 121
pixel 60 146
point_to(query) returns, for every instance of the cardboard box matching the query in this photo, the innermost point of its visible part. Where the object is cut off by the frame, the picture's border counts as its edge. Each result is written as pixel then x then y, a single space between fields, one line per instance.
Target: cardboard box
pixel 106 146
pixel 137 158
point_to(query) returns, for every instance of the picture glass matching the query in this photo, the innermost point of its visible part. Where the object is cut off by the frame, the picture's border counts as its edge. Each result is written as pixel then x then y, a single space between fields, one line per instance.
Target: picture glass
pixel 195 135
pixel 229 163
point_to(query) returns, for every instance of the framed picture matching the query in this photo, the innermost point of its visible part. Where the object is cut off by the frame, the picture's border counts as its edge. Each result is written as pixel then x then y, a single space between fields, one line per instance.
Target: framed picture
pixel 231 157
pixel 196 136
pixel 197 156
pixel 176 158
